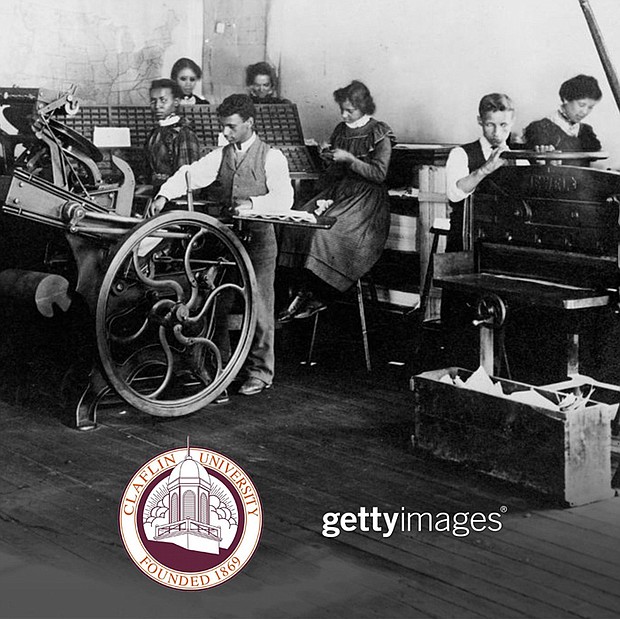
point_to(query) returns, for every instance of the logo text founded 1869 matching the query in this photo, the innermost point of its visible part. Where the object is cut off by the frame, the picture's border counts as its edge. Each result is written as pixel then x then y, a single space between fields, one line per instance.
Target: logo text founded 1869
pixel 190 518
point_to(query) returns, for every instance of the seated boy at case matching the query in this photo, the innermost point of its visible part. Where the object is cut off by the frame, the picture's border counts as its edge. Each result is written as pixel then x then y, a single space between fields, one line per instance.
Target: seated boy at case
pixel 470 163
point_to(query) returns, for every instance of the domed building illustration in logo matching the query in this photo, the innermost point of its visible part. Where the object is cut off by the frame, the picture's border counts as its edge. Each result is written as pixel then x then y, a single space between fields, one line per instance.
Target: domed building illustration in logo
pixel 190 518
pixel 191 509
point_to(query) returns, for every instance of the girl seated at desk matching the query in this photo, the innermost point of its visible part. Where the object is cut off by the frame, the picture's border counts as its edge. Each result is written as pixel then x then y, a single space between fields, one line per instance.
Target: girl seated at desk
pixel 328 262
pixel 563 130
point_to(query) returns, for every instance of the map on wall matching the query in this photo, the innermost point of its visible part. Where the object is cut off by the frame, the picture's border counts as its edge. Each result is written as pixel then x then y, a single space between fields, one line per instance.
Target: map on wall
pixel 110 49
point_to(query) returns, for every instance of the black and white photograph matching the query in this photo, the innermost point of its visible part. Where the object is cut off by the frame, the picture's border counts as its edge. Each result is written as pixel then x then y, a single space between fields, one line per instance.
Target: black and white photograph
pixel 309 309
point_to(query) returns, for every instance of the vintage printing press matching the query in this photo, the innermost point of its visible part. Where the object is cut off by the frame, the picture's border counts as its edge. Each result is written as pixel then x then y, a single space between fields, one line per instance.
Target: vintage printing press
pixel 161 290
pixel 544 236
pixel 545 244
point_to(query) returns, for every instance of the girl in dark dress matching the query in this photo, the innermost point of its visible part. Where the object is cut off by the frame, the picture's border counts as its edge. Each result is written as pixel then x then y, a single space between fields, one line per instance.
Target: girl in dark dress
pixel 564 130
pixel 186 73
pixel 262 83
pixel 331 261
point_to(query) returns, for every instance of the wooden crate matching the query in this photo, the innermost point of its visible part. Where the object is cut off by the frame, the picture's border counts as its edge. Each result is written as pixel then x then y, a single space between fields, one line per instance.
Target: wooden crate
pixel 565 455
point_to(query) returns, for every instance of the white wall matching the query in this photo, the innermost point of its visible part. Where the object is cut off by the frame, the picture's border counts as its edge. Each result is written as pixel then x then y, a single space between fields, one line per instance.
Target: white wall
pixel 238 42
pixel 428 63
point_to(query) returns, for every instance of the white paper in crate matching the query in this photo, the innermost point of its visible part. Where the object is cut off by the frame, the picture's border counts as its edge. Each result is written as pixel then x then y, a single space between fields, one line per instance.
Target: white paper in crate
pixel 481 382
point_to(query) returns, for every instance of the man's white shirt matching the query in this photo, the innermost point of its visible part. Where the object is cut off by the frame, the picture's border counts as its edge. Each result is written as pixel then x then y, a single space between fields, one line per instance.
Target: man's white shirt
pixel 279 196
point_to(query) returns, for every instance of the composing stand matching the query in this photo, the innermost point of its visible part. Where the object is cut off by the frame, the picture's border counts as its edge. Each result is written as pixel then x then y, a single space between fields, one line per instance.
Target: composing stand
pixel 277 124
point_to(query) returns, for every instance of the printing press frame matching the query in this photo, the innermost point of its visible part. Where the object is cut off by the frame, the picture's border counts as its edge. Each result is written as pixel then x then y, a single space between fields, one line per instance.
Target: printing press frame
pixel 161 290
pixel 544 236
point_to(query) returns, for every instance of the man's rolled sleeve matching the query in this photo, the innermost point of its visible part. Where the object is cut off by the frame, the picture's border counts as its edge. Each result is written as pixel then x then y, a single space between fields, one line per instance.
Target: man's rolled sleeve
pixel 202 173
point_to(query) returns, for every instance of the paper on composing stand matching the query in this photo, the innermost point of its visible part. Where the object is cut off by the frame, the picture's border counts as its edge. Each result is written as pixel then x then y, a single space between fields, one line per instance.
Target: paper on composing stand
pixel 111 137
pixel 296 216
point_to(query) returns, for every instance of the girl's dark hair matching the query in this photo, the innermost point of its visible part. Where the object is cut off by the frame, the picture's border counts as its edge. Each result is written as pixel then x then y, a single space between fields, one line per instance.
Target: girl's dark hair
pixel 185 63
pixel 359 96
pixel 164 82
pixel 580 87
pixel 261 68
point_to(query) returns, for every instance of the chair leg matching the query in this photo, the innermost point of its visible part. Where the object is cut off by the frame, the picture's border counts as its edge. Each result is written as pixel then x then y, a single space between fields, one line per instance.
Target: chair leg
pixel 309 362
pixel 360 303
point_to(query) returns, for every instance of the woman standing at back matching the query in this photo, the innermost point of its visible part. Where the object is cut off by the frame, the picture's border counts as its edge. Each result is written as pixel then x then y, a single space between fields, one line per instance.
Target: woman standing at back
pixel 186 73
pixel 262 83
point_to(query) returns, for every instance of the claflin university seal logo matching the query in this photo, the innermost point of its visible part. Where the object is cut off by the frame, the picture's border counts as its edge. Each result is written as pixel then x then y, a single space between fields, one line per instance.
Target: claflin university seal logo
pixel 190 518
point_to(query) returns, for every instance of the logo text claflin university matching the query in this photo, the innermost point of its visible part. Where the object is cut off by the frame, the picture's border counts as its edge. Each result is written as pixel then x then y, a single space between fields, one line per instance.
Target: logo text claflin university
pixel 190 518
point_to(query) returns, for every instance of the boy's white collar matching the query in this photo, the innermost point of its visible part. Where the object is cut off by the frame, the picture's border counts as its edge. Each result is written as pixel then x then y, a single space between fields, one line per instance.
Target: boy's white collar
pixel 486 145
pixel 171 120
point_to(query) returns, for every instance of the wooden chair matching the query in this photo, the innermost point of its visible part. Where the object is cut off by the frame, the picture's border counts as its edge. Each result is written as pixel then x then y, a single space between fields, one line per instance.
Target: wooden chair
pixel 359 290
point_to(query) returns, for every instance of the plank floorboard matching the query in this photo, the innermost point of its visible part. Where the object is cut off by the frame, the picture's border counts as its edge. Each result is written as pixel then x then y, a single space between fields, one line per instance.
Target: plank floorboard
pixel 451 569
pixel 420 586
pixel 319 441
pixel 584 524
pixel 386 588
pixel 591 544
pixel 601 587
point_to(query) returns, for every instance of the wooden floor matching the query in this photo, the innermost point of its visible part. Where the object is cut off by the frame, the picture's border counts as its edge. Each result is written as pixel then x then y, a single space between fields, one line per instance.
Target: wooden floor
pixel 327 438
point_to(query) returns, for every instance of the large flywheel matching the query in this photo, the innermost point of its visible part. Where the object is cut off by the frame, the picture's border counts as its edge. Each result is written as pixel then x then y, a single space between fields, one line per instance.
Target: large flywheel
pixel 176 313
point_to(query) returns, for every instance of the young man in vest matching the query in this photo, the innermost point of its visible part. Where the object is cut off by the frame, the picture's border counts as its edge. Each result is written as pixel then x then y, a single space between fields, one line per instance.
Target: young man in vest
pixel 467 165
pixel 253 176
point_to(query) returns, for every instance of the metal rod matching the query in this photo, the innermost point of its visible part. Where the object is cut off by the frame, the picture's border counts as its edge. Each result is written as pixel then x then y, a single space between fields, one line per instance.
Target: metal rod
pixel 190 195
pixel 112 217
pixel 601 48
